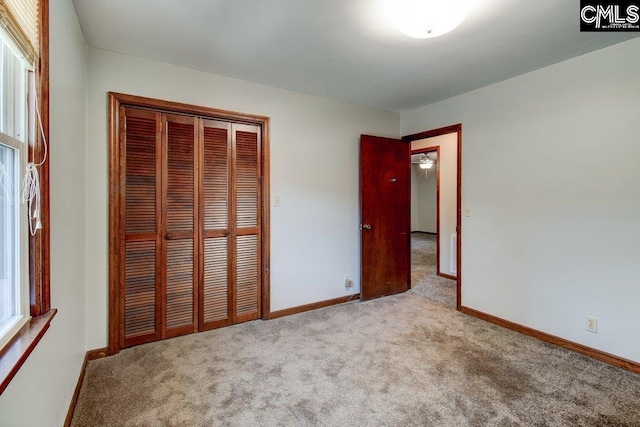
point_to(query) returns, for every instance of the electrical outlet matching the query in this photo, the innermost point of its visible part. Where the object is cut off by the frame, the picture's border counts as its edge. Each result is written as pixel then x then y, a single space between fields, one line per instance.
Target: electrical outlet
pixel 348 283
pixel 592 324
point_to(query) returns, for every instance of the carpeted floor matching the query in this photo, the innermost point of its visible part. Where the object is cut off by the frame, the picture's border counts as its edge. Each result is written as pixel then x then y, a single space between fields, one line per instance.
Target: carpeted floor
pixel 424 278
pixel 396 361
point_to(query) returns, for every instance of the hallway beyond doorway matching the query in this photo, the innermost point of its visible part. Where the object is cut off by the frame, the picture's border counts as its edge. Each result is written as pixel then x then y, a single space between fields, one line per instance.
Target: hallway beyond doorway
pixel 424 279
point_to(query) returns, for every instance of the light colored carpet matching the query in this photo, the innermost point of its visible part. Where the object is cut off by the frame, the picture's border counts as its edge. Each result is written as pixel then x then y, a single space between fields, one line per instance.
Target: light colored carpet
pixel 424 278
pixel 396 361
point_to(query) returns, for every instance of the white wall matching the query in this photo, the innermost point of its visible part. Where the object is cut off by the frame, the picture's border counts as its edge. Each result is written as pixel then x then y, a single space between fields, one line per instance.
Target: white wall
pixel 415 176
pixel 423 200
pixel 40 393
pixel 550 168
pixel 448 168
pixel 314 169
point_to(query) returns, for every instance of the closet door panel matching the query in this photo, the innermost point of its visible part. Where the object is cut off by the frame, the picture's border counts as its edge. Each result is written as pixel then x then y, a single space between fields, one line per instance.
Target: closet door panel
pixel 216 292
pixel 216 137
pixel 247 178
pixel 246 238
pixel 180 217
pixel 140 250
pixel 247 289
pixel 140 290
pixel 216 283
pixel 180 281
pixel 140 158
pixel 180 175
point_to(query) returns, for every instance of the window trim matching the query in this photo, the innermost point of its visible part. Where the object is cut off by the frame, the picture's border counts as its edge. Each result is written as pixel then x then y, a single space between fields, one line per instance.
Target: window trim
pixel 39 245
pixel 14 354
pixel 20 347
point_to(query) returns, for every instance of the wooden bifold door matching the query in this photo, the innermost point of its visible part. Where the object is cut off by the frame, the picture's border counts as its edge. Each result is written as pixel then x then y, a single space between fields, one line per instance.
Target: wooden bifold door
pixel 190 224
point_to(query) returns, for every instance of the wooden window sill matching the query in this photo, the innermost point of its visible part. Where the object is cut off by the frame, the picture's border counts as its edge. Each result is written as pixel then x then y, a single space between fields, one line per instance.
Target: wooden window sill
pixel 14 354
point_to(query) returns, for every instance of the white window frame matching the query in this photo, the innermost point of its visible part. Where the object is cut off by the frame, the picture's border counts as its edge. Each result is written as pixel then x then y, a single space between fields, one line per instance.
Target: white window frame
pixel 9 329
pixel 13 325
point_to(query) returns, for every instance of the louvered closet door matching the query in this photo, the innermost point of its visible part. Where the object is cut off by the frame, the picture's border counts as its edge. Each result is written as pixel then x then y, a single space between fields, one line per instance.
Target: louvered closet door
pixel 190 211
pixel 180 219
pixel 231 224
pixel 140 251
pixel 216 291
pixel 245 222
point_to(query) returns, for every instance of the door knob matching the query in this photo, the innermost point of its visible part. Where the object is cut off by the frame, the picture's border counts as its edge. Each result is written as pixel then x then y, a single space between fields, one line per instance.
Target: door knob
pixel 366 226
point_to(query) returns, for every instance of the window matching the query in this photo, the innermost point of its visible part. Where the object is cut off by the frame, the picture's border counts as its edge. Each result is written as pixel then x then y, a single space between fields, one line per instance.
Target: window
pixel 14 284
pixel 24 256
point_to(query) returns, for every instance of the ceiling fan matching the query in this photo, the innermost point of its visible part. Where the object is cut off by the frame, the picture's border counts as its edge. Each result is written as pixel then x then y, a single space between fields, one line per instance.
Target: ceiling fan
pixel 425 161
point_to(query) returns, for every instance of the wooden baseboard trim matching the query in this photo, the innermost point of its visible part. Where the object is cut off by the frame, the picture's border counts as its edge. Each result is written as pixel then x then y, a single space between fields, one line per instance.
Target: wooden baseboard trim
pixel 425 232
pixel 312 306
pixel 447 276
pixel 560 342
pixel 90 355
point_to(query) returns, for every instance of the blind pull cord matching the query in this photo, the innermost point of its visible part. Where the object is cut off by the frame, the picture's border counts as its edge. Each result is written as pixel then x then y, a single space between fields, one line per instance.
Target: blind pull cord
pixel 31 183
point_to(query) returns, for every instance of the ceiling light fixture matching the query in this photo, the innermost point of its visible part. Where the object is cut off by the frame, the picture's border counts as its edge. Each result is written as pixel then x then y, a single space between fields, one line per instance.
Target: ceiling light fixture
pixel 428 18
pixel 426 162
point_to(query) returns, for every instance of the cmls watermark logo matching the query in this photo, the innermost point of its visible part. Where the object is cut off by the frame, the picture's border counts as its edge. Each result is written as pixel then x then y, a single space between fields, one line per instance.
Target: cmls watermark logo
pixel 609 16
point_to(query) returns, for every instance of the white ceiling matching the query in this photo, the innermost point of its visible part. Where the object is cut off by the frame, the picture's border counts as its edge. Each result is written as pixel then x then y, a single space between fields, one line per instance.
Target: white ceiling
pixel 343 49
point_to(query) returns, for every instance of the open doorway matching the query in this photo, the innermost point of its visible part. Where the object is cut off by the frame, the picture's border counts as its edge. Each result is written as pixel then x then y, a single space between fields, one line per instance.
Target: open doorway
pixel 435 215
pixel 385 212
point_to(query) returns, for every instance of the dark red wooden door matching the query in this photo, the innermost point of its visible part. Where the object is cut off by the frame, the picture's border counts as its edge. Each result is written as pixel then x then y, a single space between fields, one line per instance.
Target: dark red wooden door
pixel 385 214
